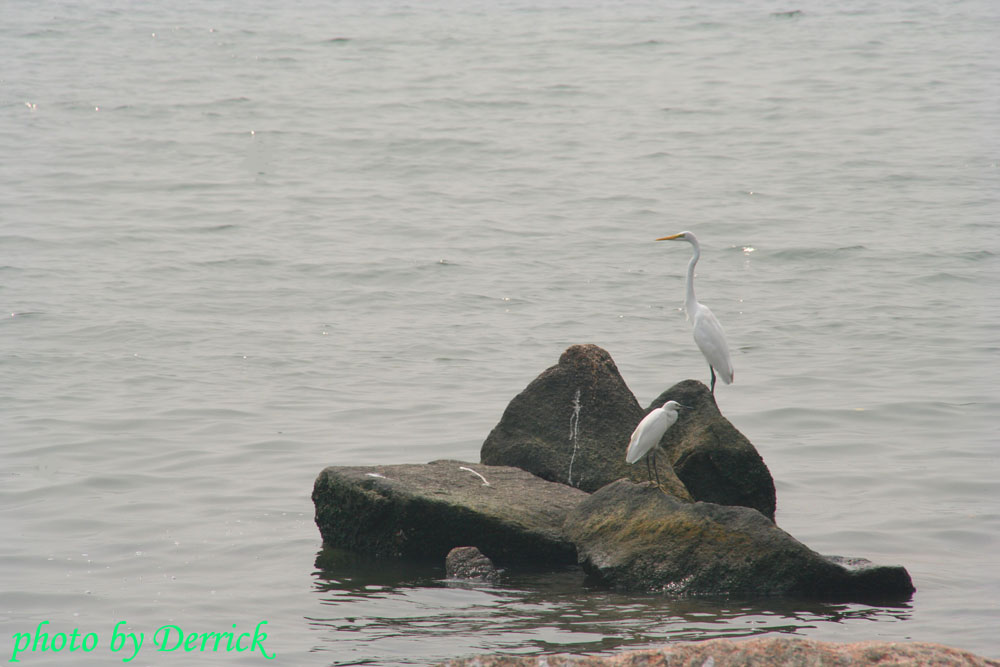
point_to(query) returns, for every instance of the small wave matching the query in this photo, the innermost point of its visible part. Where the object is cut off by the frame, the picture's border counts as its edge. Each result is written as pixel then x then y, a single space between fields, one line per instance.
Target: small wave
pixel 644 43
pixel 21 315
pixel 817 253
pixel 212 229
pixel 946 277
pixel 239 261
pixel 977 255
pixel 213 413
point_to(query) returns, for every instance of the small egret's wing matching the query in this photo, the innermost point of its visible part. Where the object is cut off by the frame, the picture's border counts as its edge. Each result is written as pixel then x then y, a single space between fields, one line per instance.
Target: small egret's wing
pixel 647 434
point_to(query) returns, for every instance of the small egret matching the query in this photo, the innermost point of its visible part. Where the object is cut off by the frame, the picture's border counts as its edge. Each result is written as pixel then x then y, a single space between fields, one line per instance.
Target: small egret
pixel 646 436
pixel 708 333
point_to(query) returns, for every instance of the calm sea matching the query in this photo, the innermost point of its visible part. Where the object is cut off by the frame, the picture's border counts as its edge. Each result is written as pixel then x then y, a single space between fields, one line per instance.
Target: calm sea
pixel 242 241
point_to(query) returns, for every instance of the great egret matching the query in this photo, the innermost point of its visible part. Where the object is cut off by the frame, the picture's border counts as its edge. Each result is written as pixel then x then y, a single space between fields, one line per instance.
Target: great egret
pixel 646 436
pixel 708 333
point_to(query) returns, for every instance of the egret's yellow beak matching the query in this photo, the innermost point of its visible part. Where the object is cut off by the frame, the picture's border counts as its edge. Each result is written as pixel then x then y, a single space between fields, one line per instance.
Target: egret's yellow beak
pixel 670 238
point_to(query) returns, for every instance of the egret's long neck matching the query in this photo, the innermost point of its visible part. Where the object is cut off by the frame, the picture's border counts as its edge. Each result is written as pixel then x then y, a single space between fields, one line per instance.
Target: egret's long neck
pixel 689 300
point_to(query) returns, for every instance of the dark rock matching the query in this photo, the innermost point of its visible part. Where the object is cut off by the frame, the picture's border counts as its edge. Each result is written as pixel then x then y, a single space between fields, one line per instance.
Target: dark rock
pixel 716 463
pixel 424 511
pixel 793 652
pixel 634 537
pixel 469 563
pixel 572 425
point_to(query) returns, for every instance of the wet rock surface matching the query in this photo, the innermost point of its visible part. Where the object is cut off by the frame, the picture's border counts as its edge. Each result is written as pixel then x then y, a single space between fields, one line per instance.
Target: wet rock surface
pixel 572 425
pixel 634 537
pixel 790 652
pixel 470 564
pixel 422 511
pixel 716 463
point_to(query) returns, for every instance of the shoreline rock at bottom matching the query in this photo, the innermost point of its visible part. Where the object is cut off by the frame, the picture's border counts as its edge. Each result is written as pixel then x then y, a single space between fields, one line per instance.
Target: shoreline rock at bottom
pixel 422 511
pixel 634 537
pixel 792 652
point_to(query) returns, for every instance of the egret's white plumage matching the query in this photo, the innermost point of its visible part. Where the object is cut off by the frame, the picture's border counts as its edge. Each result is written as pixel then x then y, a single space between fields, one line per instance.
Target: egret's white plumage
pixel 708 333
pixel 646 436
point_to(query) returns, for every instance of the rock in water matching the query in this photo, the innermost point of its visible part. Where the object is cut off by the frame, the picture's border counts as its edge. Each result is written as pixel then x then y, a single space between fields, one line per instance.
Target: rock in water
pixel 422 511
pixel 471 564
pixel 716 463
pixel 634 537
pixel 754 651
pixel 572 425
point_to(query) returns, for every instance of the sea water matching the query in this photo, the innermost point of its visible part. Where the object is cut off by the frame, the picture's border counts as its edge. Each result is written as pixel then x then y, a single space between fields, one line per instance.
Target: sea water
pixel 240 242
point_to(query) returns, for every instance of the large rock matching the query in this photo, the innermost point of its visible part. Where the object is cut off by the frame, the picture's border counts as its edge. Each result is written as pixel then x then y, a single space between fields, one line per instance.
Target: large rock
pixel 716 463
pixel 572 425
pixel 634 537
pixel 793 652
pixel 422 511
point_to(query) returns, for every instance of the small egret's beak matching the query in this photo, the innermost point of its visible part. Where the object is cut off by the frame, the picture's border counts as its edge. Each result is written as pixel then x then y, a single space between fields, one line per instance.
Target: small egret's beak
pixel 686 407
pixel 670 238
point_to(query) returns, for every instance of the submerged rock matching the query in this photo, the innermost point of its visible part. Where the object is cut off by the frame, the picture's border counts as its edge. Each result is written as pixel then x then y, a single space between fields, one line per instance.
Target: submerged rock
pixel 572 425
pixel 634 537
pixel 754 651
pixel 470 564
pixel 716 463
pixel 422 511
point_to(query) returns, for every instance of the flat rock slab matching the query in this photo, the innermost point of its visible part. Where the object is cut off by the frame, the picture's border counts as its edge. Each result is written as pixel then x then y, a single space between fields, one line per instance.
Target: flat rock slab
pixel 572 425
pixel 635 537
pixel 756 651
pixel 422 511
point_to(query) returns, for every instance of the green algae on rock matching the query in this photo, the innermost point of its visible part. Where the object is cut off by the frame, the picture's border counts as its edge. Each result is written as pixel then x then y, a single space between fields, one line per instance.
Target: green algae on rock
pixel 634 537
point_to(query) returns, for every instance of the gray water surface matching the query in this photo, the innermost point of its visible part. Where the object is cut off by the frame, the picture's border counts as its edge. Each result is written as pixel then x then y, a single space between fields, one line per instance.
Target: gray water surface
pixel 242 242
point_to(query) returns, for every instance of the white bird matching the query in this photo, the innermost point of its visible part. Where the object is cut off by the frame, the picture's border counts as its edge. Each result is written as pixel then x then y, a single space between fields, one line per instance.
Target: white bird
pixel 646 436
pixel 708 333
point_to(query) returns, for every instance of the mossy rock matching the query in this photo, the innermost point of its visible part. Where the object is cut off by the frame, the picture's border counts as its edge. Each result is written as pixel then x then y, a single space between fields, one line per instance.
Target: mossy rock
pixel 635 537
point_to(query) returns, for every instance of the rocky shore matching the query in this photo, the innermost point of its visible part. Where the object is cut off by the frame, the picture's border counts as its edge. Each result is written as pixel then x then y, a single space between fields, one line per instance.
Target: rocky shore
pixel 762 651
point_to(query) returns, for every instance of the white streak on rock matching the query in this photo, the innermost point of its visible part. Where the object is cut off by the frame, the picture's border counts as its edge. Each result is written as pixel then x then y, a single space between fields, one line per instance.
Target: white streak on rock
pixel 574 433
pixel 485 483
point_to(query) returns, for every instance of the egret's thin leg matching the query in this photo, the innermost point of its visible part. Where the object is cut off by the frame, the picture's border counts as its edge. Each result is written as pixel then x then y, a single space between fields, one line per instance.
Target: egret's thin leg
pixel 656 470
pixel 649 473
pixel 713 378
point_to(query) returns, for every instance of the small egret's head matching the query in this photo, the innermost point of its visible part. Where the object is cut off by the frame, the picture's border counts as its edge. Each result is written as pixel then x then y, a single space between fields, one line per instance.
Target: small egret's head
pixel 683 236
pixel 674 406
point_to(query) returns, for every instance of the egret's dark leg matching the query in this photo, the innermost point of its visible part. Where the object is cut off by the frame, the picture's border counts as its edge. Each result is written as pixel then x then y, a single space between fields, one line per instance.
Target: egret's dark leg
pixel 713 378
pixel 655 469
pixel 649 473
